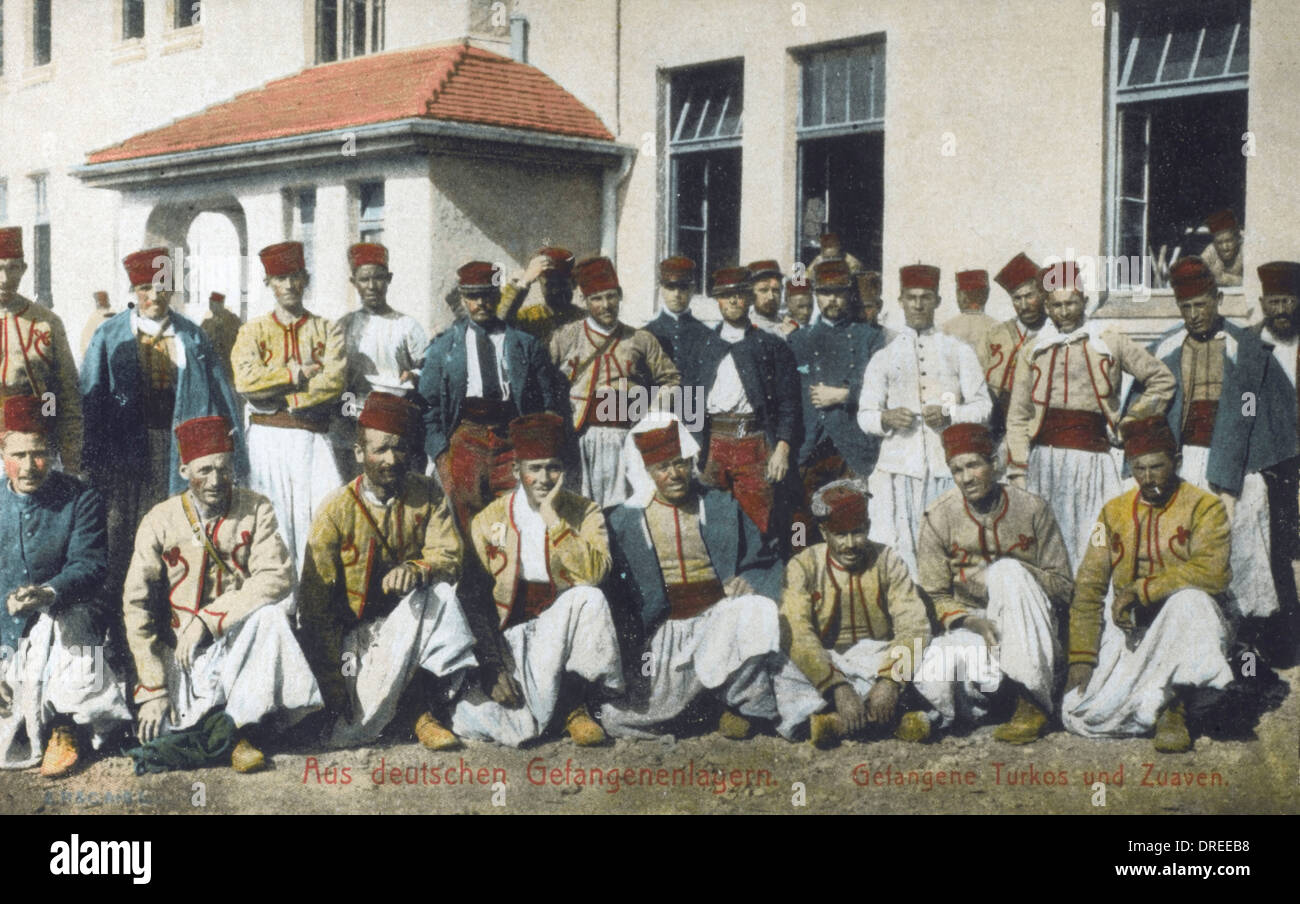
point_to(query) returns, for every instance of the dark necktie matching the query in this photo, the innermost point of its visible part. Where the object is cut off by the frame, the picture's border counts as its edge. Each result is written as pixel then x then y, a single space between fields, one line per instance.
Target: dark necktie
pixel 487 363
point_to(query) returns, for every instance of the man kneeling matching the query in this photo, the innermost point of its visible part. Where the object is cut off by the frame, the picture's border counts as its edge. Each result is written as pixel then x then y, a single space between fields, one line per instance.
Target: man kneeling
pixel 381 624
pixel 215 554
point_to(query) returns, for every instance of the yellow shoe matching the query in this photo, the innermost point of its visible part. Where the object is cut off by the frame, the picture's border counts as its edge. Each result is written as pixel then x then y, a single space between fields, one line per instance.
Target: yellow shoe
pixel 913 727
pixel 825 730
pixel 585 731
pixel 433 735
pixel 246 758
pixel 61 753
pixel 1172 735
pixel 1025 726
pixel 734 726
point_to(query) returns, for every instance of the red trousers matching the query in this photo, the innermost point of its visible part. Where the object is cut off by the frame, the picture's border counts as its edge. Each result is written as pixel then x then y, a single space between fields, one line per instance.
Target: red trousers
pixel 739 466
pixel 475 469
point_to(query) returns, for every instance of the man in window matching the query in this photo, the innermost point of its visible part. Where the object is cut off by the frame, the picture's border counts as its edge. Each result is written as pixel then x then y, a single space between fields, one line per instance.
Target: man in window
pixel 766 313
pixel 971 324
pixel 680 334
pixel 1002 343
pixel 1223 254
pixel 552 269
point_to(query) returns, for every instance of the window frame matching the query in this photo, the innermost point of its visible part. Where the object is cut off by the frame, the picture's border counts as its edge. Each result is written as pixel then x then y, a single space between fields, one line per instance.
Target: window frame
pixel 125 17
pixel 344 38
pixel 371 228
pixel 36 32
pixel 42 246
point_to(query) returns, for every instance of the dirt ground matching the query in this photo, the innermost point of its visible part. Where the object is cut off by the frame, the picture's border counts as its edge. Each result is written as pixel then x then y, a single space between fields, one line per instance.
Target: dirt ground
pixel 706 774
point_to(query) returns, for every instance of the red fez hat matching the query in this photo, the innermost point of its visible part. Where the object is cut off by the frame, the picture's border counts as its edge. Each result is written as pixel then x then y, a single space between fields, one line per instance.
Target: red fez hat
pixel 658 445
pixel 11 243
pixel 1061 275
pixel 202 436
pixel 364 253
pixel 1151 434
pixel 675 270
pixel 479 277
pixel 561 260
pixel 1190 278
pixel 802 287
pixel 960 439
pixel 832 275
pixel 22 414
pixel 141 266
pixel 730 280
pixel 1018 271
pixel 972 280
pixel 919 276
pixel 595 274
pixel 764 270
pixel 283 258
pixel 389 413
pixel 217 297
pixel 101 297
pixel 830 241
pixel 1280 278
pixel 1221 220
pixel 847 509
pixel 537 436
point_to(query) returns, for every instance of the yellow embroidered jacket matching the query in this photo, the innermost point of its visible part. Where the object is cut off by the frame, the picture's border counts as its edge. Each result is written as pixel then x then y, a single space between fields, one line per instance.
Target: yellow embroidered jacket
pixel 265 346
pixel 998 352
pixel 35 358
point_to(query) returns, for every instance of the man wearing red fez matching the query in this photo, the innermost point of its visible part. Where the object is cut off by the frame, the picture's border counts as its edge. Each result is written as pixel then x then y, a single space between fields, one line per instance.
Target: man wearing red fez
pixel 478 376
pixel 1002 343
pixel 1216 367
pixel 1144 630
pixel 799 301
pixel 101 313
pixel 148 370
pixel 1223 254
pixel 546 638
pixel 225 641
pixel 1064 414
pixel 702 584
pixel 552 270
pixel 971 325
pixel 851 622
pixel 766 313
pixel 35 356
pixel 612 370
pixel 290 366
pixel 221 326
pixel 869 302
pixel 921 382
pixel 682 337
pixel 54 692
pixel 754 420
pixel 992 561
pixel 378 590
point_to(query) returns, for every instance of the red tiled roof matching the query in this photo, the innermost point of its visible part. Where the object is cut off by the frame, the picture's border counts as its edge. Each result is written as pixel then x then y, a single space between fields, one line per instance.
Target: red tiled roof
pixel 456 82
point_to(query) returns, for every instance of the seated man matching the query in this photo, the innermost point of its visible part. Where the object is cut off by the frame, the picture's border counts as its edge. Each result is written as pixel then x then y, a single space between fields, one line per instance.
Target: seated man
pixel 55 560
pixel 206 604
pixel 1162 551
pixel 701 580
pixel 546 552
pixel 851 621
pixel 377 603
pixel 993 563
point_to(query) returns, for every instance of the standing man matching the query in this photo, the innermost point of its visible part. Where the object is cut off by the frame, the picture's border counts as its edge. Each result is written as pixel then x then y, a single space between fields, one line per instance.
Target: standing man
pixel 799 301
pixel 101 313
pixel 54 691
pixel 680 334
pixel 549 642
pixel 920 383
pixel 221 326
pixel 552 269
pixel 477 378
pixel 1064 414
pixel 833 250
pixel 972 324
pixel 290 365
pixel 869 303
pixel 206 605
pixel 1003 341
pixel 603 360
pixel 1223 254
pixel 1145 623
pixel 35 357
pixel 766 314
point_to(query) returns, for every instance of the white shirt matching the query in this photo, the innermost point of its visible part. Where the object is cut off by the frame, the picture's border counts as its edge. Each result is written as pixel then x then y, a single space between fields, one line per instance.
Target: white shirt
pixel 168 330
pixel 532 538
pixel 727 394
pixel 1284 350
pixel 914 370
pixel 474 378
pixel 381 345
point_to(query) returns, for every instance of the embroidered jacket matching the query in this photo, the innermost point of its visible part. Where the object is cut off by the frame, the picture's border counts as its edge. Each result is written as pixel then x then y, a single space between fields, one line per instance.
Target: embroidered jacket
pixel 596 364
pixel 265 347
pixel 35 358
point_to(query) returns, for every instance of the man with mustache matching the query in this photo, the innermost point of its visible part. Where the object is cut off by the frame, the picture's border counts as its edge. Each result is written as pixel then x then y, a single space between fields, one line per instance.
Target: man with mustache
pixel 546 638
pixel 1145 622
pixel 766 313
pixel 1002 343
pixel 992 561
pixel 206 605
pixel 849 613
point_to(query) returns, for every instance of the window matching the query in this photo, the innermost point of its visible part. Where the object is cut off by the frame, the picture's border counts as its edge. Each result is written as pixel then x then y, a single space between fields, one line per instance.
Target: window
pixel 132 19
pixel 348 28
pixel 704 133
pixel 841 143
pixel 2 39
pixel 1176 153
pixel 304 224
pixel 186 13
pixel 40 32
pixel 371 218
pixel 41 236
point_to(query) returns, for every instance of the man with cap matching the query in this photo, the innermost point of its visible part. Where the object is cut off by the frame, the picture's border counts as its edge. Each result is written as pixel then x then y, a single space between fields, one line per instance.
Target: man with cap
pixel 1064 414
pixel 754 420
pixel 971 324
pixel 1223 255
pixel 552 268
pixel 1217 367
pixel 54 691
pixel 1002 343
pixel 101 313
pixel 799 301
pixel 546 636
pixel 148 370
pixel 1145 621
pixel 851 621
pixel 993 563
pixel 766 313
pixel 35 357
pixel 221 326
pixel 921 382
pixel 701 583
pixel 682 337
pixel 832 357
pixel 381 624
pixel 476 379
pixel 206 605
pixel 290 365
pixel 608 365
pixel 868 305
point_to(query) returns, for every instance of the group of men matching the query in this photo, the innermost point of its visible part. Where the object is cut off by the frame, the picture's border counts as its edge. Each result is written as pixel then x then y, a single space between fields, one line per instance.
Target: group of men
pixel 546 519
